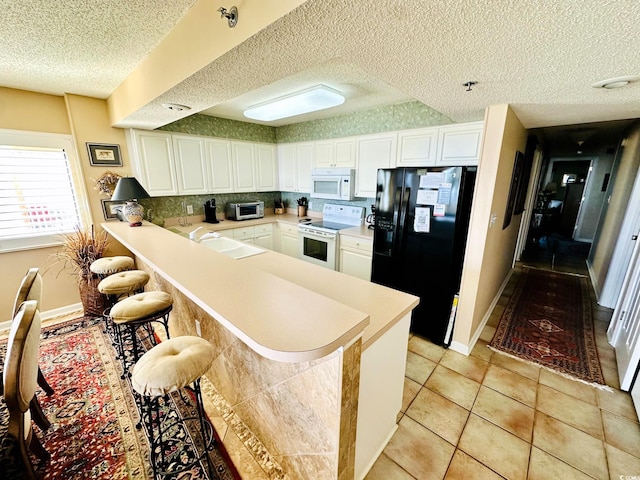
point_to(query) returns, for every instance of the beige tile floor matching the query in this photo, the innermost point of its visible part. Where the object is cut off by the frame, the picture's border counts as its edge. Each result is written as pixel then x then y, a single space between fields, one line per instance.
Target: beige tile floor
pixel 487 416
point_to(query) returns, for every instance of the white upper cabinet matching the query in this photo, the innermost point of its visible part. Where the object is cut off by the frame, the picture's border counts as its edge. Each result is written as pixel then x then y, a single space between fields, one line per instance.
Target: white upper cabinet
pixel 295 165
pixel 335 153
pixel 220 166
pixel 345 152
pixel 304 166
pixel 417 148
pixel 324 154
pixel 460 144
pixel 244 177
pixel 153 162
pixel 266 167
pixel 373 152
pixel 287 167
pixel 191 166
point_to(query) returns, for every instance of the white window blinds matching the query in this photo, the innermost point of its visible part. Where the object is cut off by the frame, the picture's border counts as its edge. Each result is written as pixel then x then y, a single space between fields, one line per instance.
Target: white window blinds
pixel 37 197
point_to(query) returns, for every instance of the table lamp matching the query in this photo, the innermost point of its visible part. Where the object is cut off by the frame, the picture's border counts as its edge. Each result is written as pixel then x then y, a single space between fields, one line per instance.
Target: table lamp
pixel 129 190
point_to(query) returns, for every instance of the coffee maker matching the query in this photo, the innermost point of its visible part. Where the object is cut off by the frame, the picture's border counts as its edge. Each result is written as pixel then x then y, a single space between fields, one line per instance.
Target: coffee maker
pixel 210 211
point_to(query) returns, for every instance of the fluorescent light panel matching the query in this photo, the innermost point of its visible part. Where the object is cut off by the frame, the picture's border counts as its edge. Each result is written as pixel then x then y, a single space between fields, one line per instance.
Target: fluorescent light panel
pixel 305 101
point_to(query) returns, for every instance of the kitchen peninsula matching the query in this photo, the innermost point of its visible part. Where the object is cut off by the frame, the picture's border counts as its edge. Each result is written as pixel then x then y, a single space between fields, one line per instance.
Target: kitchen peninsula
pixel 310 361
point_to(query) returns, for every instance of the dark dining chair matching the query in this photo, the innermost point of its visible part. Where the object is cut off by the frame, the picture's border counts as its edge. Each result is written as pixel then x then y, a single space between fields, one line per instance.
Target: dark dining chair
pixel 20 378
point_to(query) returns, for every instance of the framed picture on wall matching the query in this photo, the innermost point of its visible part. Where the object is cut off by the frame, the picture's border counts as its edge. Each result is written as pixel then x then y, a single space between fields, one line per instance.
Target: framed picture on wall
pixel 110 209
pixel 104 154
pixel 516 178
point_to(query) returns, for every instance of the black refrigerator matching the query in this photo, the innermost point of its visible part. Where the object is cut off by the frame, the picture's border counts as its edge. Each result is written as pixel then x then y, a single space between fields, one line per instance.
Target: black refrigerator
pixel 420 232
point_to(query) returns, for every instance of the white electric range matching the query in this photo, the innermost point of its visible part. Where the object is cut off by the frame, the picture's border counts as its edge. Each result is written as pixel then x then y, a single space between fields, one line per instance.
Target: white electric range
pixel 317 241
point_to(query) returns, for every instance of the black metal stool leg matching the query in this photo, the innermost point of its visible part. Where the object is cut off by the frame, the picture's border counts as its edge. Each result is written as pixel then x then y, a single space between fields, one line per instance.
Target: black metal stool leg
pixel 208 437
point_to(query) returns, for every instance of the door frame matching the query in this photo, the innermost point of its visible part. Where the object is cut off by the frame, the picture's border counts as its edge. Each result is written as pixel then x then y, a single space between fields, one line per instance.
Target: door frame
pixel 624 330
pixel 532 193
pixel 622 252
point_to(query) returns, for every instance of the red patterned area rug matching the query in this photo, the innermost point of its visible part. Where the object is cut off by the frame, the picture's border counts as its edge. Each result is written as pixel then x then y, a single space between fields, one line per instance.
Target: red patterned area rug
pixel 93 413
pixel 548 322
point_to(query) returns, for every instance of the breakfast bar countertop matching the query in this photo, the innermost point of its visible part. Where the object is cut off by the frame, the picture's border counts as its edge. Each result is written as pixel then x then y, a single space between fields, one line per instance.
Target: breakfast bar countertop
pixel 283 308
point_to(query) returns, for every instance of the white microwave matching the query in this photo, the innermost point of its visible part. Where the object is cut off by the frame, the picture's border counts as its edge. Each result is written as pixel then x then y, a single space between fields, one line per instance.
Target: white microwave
pixel 333 183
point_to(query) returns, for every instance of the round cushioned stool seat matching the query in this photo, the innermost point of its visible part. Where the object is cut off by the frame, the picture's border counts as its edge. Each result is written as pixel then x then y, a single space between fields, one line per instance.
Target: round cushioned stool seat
pixel 140 306
pixel 172 365
pixel 123 282
pixel 111 265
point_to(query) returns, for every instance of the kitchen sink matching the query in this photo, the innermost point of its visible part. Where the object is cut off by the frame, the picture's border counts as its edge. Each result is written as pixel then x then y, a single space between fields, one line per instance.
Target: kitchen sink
pixel 231 248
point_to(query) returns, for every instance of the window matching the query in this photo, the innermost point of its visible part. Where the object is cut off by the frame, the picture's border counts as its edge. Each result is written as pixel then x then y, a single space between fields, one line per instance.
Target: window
pixel 38 195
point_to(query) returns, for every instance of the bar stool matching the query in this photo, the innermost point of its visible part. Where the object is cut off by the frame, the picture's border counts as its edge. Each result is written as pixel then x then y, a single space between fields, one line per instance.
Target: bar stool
pixel 120 285
pixel 105 266
pixel 136 311
pixel 170 366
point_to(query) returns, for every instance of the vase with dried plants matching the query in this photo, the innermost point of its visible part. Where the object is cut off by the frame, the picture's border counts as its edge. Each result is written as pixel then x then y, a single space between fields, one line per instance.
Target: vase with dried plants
pixel 80 249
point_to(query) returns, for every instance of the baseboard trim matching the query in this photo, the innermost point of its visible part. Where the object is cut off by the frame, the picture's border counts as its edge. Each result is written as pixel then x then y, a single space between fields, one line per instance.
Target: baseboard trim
pixel 466 349
pixel 49 314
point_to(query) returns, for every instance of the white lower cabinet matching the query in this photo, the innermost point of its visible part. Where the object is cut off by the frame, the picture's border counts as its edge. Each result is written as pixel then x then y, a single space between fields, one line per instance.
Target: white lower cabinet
pixel 264 236
pixel 260 235
pixel 355 256
pixel 288 239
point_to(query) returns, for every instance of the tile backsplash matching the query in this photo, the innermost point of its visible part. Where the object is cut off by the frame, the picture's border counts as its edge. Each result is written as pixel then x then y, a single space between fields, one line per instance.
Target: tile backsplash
pixel 159 208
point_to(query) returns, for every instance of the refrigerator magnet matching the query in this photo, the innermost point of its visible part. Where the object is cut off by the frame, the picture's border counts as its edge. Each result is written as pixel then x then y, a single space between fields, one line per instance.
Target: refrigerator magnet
pixel 439 210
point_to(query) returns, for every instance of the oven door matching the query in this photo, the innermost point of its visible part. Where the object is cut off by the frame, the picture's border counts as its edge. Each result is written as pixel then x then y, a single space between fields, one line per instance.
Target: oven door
pixel 318 248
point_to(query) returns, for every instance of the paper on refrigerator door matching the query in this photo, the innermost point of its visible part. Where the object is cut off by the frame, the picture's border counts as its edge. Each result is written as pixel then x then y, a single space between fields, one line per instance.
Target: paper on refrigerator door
pixel 427 197
pixel 422 220
pixel 432 180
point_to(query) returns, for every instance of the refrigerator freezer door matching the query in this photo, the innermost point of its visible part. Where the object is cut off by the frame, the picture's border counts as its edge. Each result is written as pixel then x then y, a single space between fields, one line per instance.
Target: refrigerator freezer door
pixel 420 238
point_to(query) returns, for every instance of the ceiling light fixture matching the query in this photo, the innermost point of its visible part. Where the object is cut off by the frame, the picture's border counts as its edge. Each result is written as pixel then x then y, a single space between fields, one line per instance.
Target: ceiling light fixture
pixel 616 82
pixel 175 107
pixel 305 101
pixel 231 15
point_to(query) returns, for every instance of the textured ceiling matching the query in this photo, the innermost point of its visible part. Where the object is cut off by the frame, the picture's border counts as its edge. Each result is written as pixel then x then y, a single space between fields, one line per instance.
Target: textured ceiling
pixel 541 57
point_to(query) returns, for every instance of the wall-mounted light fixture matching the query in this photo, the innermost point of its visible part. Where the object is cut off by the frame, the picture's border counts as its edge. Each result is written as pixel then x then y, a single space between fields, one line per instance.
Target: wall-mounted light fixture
pixel 231 15
pixel 305 101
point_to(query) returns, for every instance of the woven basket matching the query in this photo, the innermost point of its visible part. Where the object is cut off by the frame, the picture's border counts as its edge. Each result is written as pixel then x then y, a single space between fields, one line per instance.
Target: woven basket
pixel 93 302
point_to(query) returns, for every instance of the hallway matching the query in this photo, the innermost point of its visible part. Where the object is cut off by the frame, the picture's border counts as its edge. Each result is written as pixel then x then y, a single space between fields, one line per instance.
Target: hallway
pixel 557 252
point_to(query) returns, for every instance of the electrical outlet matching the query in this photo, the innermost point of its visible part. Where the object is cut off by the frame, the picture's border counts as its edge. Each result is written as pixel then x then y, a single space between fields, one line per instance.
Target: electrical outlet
pixel 190 209
pixel 198 328
pixel 310 205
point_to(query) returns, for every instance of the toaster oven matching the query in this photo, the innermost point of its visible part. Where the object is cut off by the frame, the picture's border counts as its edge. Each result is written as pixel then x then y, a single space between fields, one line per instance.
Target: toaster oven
pixel 244 210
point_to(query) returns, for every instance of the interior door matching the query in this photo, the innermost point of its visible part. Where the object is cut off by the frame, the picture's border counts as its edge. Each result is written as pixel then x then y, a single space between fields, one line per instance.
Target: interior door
pixel 626 323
